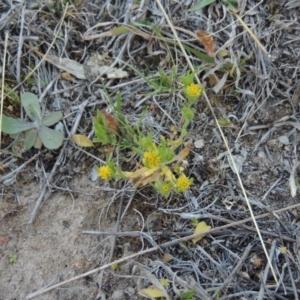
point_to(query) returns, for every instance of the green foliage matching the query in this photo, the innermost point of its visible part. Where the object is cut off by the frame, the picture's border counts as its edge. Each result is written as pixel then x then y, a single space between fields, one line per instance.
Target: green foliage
pixel 231 4
pixel 188 78
pixel 194 221
pixel 12 95
pixel 103 133
pixel 189 295
pixel 161 165
pixel 224 122
pixel 28 134
pixel 298 184
pixel 12 258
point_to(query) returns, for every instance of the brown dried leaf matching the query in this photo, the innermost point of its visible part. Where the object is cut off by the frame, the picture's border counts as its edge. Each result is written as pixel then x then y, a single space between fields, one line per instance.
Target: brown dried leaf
pixel 257 262
pixel 67 76
pixel 110 120
pixel 207 41
pixel 184 153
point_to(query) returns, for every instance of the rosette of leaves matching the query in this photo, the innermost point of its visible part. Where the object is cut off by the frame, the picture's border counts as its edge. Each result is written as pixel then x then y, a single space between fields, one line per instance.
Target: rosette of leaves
pixel 35 133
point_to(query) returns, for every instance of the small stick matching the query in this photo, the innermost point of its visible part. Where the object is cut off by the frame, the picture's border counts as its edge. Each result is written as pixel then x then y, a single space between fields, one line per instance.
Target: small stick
pixel 2 85
pixel 19 168
pixel 235 270
pixel 259 44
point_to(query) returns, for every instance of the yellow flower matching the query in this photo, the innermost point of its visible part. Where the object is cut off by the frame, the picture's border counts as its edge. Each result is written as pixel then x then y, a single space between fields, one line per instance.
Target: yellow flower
pixel 183 183
pixel 151 160
pixel 194 90
pixel 105 172
pixel 165 188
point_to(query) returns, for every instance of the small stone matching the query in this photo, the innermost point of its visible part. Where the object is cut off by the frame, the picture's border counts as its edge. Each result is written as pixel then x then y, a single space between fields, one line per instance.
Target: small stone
pixel 284 140
pixel 199 144
pixel 129 291
pixel 117 295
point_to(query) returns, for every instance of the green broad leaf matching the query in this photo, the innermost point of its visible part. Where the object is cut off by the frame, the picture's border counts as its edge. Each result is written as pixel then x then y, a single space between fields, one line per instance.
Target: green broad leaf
pixel 30 138
pixel 202 4
pixel 31 104
pixel 52 139
pixel 12 126
pixel 52 118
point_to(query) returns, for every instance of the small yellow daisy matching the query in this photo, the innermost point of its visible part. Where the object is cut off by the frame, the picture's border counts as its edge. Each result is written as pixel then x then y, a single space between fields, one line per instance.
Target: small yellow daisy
pixel 183 183
pixel 105 172
pixel 194 90
pixel 151 160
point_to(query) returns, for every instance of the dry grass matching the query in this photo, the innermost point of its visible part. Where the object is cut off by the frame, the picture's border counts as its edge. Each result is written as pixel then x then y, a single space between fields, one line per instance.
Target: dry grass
pixel 251 82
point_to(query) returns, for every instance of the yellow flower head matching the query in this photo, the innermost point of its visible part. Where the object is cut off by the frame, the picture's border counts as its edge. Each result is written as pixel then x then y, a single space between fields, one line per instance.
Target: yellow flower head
pixel 105 172
pixel 165 188
pixel 151 159
pixel 183 183
pixel 194 90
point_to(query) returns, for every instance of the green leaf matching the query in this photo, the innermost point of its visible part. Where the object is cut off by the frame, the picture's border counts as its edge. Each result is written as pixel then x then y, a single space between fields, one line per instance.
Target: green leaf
pixel 101 133
pixel 298 184
pixel 11 93
pixel 231 4
pixel 12 126
pixel 194 220
pixel 52 139
pixel 187 295
pixel 12 258
pixel 119 30
pixel 224 122
pixel 30 138
pixel 52 118
pixel 203 56
pixel 202 4
pixel 31 104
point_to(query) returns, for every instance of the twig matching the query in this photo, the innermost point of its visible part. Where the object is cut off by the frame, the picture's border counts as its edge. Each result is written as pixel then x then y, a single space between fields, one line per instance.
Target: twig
pixel 49 48
pixel 235 270
pixel 266 272
pixel 19 168
pixel 292 278
pixel 252 35
pixel 117 228
pixel 3 79
pixel 150 250
pixel 19 53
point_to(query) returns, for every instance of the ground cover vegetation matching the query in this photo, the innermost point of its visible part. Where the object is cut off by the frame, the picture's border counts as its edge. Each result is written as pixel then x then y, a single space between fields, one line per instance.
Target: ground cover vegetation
pixel 183 117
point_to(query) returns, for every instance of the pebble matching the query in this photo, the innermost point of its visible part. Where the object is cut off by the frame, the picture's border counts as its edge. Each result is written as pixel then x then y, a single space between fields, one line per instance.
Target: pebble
pixel 117 295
